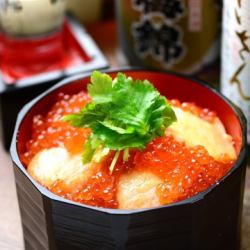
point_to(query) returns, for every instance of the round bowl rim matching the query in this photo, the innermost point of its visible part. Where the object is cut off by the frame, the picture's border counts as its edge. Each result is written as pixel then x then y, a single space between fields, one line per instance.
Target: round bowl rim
pixel 45 192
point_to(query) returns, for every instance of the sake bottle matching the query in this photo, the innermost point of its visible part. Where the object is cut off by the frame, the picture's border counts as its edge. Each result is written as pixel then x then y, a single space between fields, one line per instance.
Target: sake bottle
pixel 177 35
pixel 235 77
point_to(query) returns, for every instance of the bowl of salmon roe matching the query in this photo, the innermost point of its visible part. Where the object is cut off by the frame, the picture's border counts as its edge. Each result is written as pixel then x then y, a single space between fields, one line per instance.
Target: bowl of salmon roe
pixel 202 208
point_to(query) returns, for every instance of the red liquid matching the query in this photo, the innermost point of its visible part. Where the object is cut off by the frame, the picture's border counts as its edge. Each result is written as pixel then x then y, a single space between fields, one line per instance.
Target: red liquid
pixel 1 45
pixel 27 57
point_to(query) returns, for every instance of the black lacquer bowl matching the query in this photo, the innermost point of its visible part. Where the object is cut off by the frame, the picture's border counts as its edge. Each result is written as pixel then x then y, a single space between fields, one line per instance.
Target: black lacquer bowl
pixel 209 220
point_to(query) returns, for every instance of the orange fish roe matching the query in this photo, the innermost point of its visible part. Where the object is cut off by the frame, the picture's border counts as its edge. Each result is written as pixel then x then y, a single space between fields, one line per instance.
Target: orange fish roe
pixel 184 171
pixel 203 113
pixel 50 131
pixel 100 189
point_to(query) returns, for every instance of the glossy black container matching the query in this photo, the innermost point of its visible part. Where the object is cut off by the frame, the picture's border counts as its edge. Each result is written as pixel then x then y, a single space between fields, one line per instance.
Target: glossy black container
pixel 209 220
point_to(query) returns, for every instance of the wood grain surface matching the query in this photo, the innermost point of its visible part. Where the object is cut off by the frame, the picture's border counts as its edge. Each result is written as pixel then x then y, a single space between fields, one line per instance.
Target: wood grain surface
pixel 10 224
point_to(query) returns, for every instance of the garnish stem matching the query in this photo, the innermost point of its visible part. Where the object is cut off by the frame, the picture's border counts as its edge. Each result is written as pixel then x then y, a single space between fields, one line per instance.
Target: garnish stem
pixel 125 154
pixel 112 165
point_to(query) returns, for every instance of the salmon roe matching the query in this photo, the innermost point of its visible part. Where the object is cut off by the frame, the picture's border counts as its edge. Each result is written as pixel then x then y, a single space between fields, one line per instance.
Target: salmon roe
pixel 184 171
pixel 50 131
pixel 100 189
pixel 203 113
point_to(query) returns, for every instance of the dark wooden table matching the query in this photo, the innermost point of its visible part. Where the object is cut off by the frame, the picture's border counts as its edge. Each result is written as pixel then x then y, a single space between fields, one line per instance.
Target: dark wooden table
pixel 10 224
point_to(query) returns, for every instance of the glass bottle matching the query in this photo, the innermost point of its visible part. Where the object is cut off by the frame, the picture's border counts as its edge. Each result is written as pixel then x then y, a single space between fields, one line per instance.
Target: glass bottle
pixel 235 77
pixel 178 35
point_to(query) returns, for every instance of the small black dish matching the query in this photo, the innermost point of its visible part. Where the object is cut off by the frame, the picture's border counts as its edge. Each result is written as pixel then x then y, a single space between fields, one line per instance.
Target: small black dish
pixel 79 46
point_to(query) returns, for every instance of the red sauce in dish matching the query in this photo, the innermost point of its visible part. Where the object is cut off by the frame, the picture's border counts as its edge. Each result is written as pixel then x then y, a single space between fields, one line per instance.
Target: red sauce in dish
pixel 185 171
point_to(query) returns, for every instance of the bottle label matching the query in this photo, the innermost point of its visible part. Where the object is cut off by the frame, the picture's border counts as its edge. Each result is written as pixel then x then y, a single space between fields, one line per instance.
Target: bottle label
pixel 236 55
pixel 181 35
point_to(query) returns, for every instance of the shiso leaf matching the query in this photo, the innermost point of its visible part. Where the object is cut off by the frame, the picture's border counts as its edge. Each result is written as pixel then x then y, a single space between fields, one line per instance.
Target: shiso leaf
pixel 123 114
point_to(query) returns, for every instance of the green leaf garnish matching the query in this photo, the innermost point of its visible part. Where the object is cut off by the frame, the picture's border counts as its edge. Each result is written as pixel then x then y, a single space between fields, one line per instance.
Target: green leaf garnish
pixel 123 114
